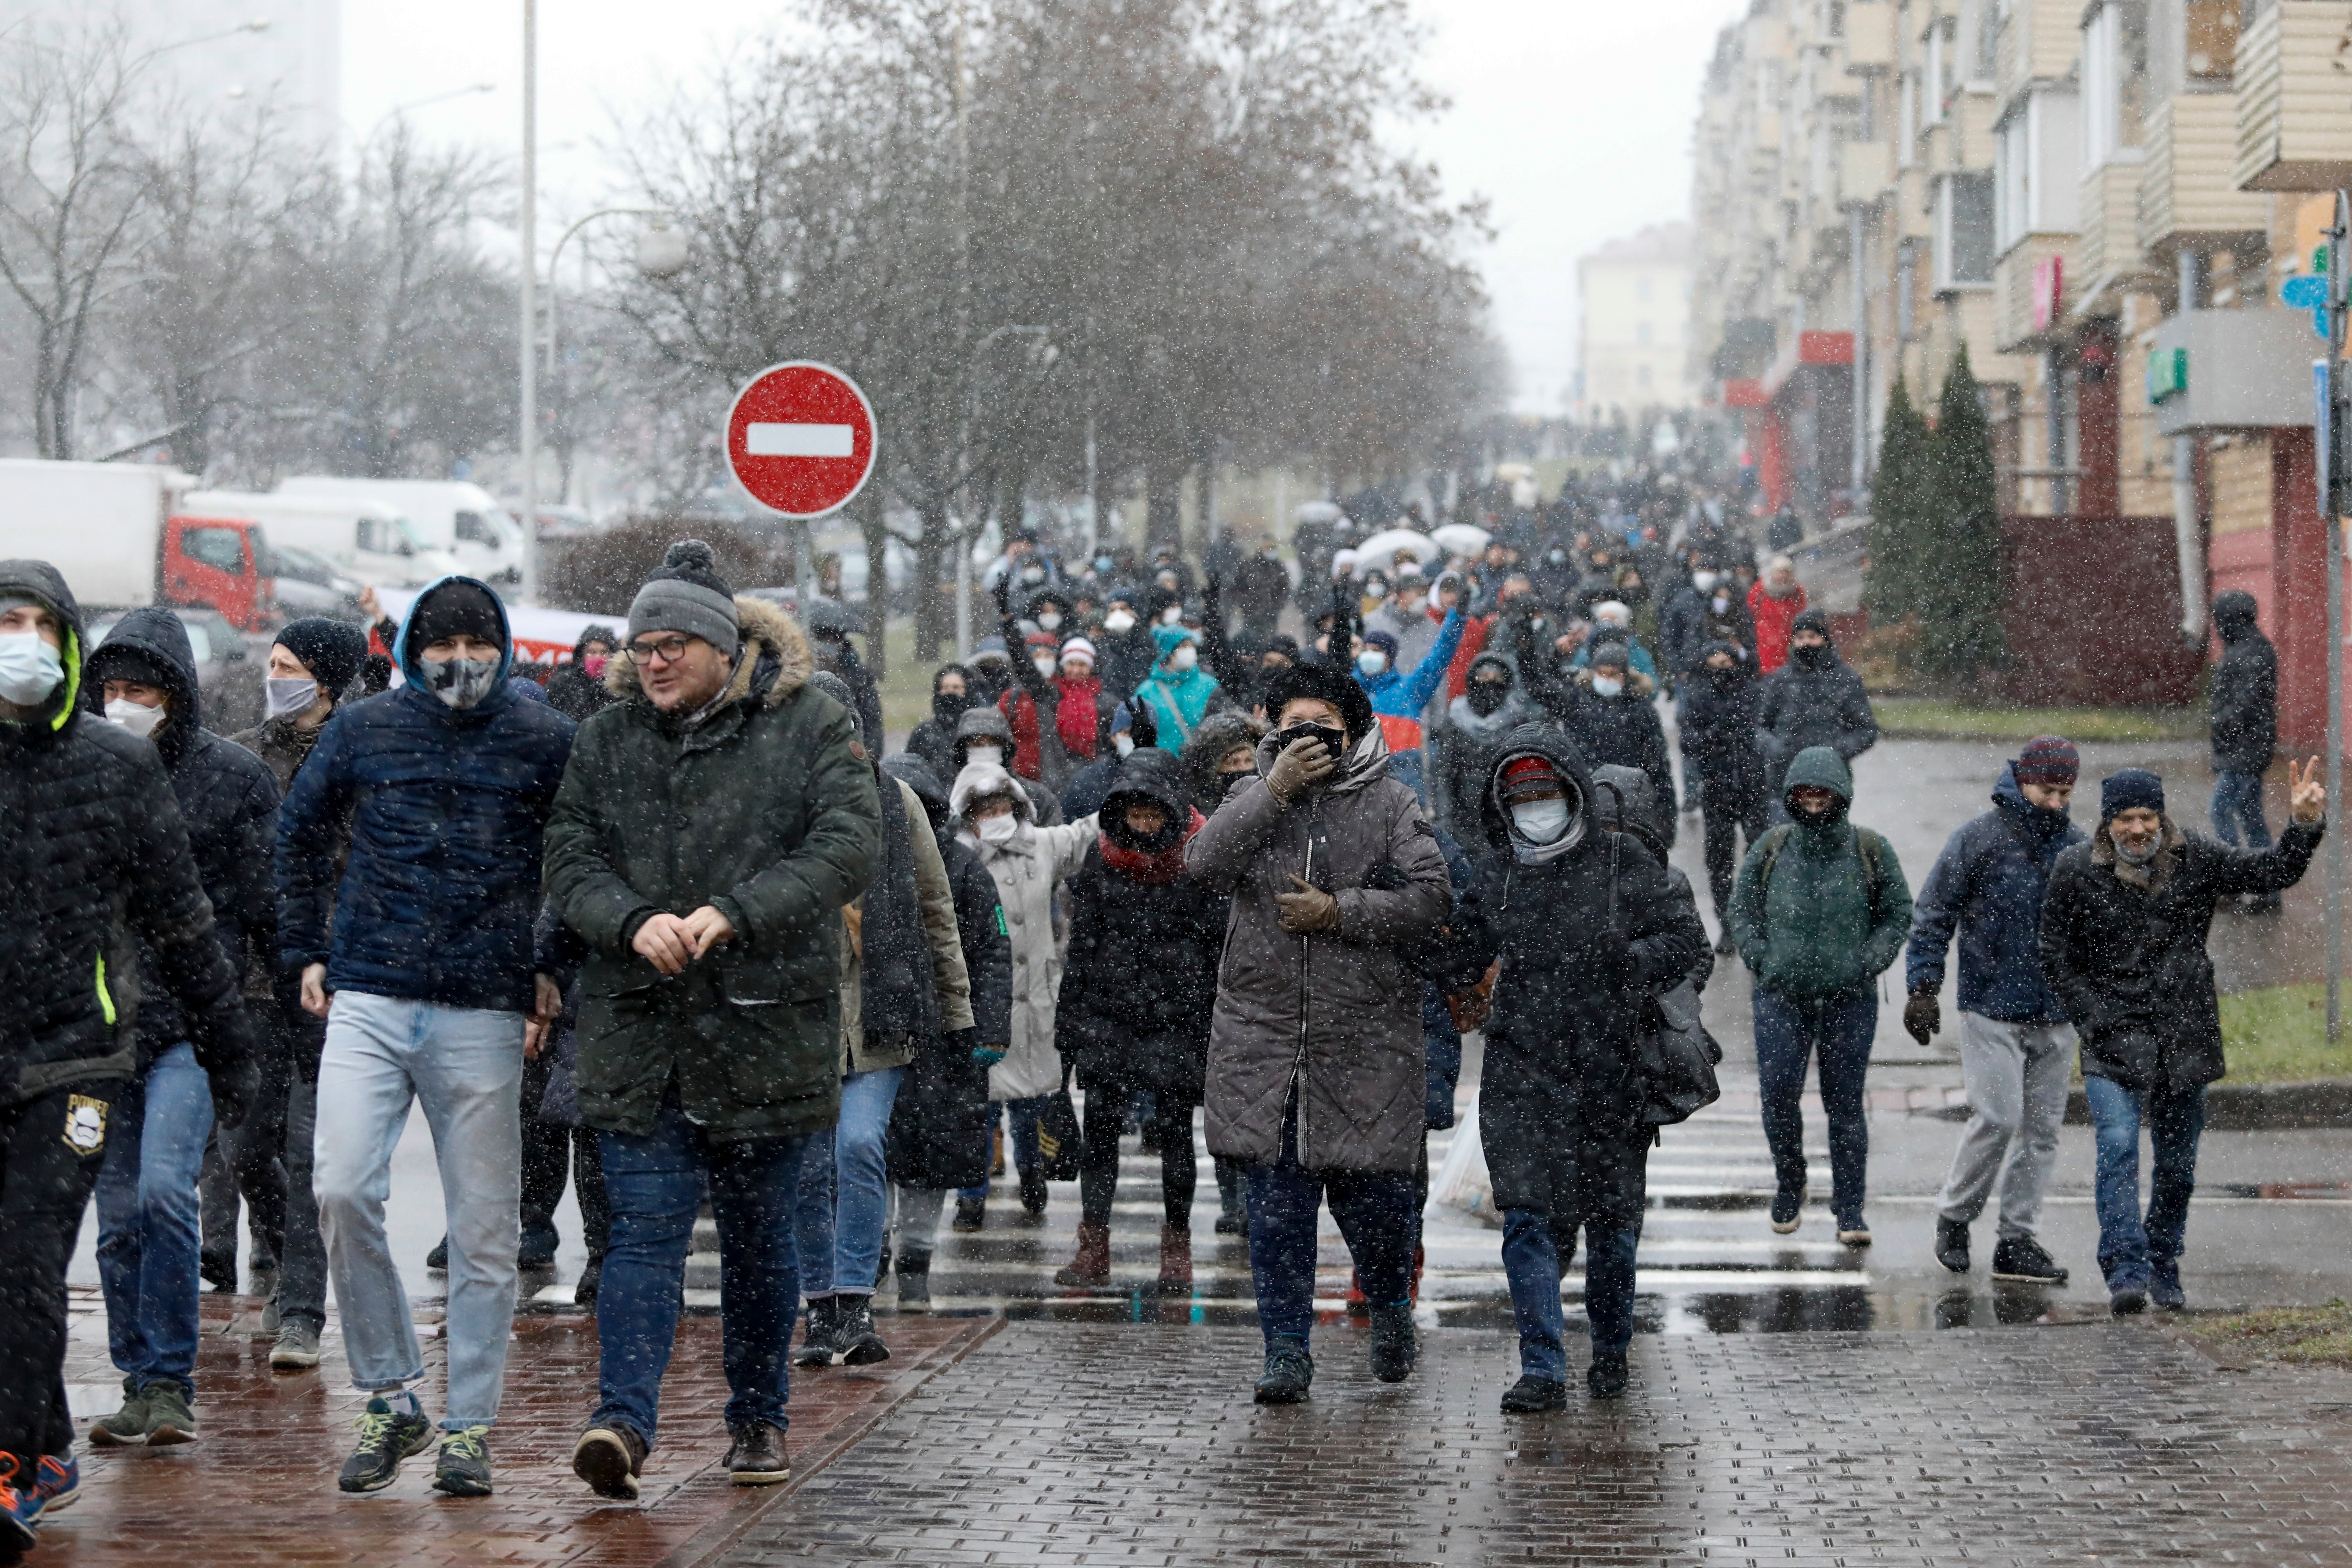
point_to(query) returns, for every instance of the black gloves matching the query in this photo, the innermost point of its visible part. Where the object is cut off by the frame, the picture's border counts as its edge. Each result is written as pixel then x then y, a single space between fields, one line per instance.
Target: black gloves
pixel 1608 954
pixel 1921 1017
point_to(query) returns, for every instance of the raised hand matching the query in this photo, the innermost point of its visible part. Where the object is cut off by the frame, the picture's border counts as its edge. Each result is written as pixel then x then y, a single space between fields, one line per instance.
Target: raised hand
pixel 2305 794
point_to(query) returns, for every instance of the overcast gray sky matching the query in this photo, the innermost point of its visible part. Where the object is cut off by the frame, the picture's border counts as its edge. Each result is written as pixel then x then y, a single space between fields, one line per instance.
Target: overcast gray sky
pixel 1572 116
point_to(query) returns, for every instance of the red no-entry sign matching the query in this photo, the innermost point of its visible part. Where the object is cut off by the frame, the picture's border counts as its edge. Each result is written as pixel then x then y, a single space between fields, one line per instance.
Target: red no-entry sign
pixel 801 438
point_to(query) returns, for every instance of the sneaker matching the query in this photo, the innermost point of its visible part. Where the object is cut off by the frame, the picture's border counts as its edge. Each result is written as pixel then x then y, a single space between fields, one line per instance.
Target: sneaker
pixel 1034 1193
pixel 1607 1377
pixel 1952 1247
pixel 608 1458
pixel 536 1250
pixel 756 1459
pixel 853 1334
pixel 817 1346
pixel 1788 1212
pixel 969 1215
pixel 386 1437
pixel 2020 1258
pixel 438 1258
pixel 297 1349
pixel 1532 1395
pixel 1289 1370
pixel 20 1505
pixel 1394 1347
pixel 127 1428
pixel 584 1293
pixel 2164 1286
pixel 170 1420
pixel 219 1270
pixel 463 1468
pixel 1232 1222
pixel 2126 1300
pixel 57 1482
pixel 270 1317
pixel 1852 1232
pixel 1724 946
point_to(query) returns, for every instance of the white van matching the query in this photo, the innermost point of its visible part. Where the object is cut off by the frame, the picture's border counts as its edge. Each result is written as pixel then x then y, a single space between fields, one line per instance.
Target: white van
pixel 462 519
pixel 372 541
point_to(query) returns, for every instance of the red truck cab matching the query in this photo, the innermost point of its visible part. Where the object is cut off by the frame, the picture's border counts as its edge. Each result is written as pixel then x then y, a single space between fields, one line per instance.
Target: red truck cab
pixel 222 562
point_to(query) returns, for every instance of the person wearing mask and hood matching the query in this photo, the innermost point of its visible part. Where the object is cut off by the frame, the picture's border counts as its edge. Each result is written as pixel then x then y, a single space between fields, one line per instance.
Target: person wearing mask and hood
pixel 576 689
pixel 1399 696
pixel 1138 985
pixel 992 669
pixel 934 739
pixel 1588 929
pixel 1466 746
pixel 1222 753
pixel 1121 731
pixel 1316 1081
pixel 2245 708
pixel 1124 651
pixel 1774 603
pixel 2122 948
pixel 1607 711
pixel 1814 700
pixel 1723 770
pixel 2017 1050
pixel 142 680
pixel 1819 913
pixel 1031 707
pixel 1612 618
pixel 984 735
pixel 1180 693
pixel 997 823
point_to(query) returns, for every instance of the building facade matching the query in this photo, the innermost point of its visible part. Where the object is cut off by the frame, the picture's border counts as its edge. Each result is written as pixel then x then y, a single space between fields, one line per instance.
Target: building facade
pixel 1633 340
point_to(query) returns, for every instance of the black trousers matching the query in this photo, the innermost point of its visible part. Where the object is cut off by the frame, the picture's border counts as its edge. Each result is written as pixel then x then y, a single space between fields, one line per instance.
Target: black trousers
pixel 50 1151
pixel 1730 808
pixel 1099 1152
pixel 250 1164
pixel 551 1153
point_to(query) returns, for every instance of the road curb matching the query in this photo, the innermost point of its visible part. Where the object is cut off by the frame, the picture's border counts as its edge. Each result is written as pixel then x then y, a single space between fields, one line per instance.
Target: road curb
pixel 2258 1106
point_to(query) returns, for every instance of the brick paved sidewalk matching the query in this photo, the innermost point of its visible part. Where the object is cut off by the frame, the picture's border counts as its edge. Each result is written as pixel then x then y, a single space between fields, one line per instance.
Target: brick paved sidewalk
pixel 259 1486
pixel 1137 1445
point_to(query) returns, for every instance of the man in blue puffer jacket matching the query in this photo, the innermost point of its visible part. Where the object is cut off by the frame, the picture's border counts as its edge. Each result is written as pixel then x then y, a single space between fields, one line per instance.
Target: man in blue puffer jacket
pixel 426 982
pixel 2017 1049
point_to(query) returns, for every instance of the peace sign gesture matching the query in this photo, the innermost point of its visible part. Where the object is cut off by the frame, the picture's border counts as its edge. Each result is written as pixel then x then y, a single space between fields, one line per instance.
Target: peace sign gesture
pixel 2306 795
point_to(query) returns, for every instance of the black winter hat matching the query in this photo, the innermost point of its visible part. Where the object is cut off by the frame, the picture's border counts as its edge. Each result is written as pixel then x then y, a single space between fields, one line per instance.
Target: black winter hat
pixel 455 608
pixel 1325 683
pixel 332 651
pixel 1812 621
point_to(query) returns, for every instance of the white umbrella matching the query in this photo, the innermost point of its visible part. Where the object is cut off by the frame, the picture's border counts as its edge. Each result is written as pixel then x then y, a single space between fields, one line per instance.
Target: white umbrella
pixel 1378 553
pixel 1460 537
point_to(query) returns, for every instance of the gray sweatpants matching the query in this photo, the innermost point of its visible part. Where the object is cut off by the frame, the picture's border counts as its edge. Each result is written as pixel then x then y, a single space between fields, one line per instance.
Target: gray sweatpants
pixel 2016 1076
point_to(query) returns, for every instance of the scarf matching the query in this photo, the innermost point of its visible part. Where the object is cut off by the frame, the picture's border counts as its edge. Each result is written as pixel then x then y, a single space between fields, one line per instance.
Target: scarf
pixel 1075 719
pixel 1164 867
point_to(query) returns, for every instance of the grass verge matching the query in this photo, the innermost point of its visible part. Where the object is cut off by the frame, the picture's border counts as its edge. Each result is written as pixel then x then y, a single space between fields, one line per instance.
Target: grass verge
pixel 2311 1336
pixel 1939 719
pixel 2279 1034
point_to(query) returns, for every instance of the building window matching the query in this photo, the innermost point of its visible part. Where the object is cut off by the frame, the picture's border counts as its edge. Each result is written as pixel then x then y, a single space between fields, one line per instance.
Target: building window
pixel 1907 119
pixel 1641 290
pixel 2114 82
pixel 2037 169
pixel 1641 331
pixel 1939 83
pixel 1964 232
pixel 2212 39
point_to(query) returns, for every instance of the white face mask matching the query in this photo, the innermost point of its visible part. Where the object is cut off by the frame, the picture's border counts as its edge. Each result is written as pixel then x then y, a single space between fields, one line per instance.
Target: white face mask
pixel 1607 685
pixel 1172 615
pixel 1371 661
pixel 993 755
pixel 998 828
pixel 1185 656
pixel 30 669
pixel 1123 743
pixel 1050 621
pixel 1119 621
pixel 460 682
pixel 136 717
pixel 289 695
pixel 1540 821
pixel 1044 665
pixel 1376 591
pixel 1703 581
pixel 1722 602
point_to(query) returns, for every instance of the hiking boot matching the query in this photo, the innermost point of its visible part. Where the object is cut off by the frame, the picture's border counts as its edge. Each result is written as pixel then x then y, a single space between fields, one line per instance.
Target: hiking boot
pixel 20 1505
pixel 57 1483
pixel 608 1458
pixel 969 1215
pixel 2164 1286
pixel 463 1468
pixel 1393 1344
pixel 127 1428
pixel 2020 1258
pixel 584 1294
pixel 1952 1247
pixel 297 1349
pixel 1175 1260
pixel 817 1346
pixel 914 1281
pixel 438 1258
pixel 536 1249
pixel 1289 1370
pixel 170 1420
pixel 1091 1267
pixel 1034 1193
pixel 1606 1377
pixel 1232 1222
pixel 1852 1232
pixel 853 1335
pixel 386 1437
pixel 1788 1212
pixel 1532 1395
pixel 2127 1300
pixel 756 1459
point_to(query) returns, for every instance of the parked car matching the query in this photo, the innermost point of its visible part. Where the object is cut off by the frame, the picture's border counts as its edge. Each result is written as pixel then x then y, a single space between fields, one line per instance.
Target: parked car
pixel 310 585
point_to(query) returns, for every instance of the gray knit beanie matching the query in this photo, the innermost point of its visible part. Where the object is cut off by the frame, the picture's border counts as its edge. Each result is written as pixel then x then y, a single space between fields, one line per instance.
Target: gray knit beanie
pixel 686 595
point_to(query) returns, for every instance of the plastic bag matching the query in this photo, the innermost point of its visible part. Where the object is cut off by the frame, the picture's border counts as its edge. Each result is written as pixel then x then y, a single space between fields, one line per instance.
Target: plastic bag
pixel 1462 1182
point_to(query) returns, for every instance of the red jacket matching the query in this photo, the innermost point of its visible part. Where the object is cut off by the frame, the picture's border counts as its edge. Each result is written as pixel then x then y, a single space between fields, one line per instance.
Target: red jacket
pixel 1773 617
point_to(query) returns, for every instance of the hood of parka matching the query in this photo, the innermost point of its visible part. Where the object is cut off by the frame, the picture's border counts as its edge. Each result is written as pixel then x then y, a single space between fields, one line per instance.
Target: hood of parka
pixel 45 586
pixel 151 644
pixel 774 650
pixel 1551 743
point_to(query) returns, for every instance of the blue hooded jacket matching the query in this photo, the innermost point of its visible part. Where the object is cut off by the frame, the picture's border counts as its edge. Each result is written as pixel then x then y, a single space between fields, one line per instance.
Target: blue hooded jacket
pixel 447 808
pixel 1988 885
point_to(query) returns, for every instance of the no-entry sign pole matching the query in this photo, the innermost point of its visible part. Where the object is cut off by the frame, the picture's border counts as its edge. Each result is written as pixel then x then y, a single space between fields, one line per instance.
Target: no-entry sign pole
pixel 801 438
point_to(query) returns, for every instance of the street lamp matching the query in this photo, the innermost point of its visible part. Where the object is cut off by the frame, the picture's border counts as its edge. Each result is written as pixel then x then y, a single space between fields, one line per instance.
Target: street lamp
pixel 259 25
pixel 661 253
pixel 397 109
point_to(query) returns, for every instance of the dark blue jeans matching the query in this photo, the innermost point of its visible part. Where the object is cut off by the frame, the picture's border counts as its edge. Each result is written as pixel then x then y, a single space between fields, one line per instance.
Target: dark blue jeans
pixel 2129 1246
pixel 1376 1215
pixel 1531 1264
pixel 148 1218
pixel 656 1184
pixel 1024 1114
pixel 1788 1034
pixel 2238 810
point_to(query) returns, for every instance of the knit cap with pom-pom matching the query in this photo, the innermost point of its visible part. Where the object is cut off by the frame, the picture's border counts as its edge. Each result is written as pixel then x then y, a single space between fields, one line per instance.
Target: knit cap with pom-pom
pixel 686 594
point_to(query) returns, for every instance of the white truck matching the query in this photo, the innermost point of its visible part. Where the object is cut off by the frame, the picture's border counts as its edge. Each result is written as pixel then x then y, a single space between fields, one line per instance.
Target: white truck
pixel 464 519
pixel 124 538
pixel 372 541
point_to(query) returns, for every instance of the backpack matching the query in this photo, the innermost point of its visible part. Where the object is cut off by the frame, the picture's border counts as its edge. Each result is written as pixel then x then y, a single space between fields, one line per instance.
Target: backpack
pixel 1866 839
pixel 1676 1056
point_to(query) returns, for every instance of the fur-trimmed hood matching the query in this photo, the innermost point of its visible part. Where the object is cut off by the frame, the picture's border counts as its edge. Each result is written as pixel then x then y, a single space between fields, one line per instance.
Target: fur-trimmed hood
pixel 771 640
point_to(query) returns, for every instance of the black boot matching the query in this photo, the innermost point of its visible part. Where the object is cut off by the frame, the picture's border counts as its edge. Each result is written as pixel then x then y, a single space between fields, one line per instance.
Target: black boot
pixel 1952 1244
pixel 854 1333
pixel 1606 1377
pixel 1033 1192
pixel 818 1345
pixel 914 1281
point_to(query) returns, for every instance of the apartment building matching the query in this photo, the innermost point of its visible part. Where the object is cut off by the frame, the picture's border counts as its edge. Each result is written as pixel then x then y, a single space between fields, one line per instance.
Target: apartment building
pixel 1633 338
pixel 2100 200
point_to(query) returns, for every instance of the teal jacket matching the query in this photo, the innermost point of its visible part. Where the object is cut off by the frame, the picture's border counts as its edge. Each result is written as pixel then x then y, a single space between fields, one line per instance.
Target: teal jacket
pixel 1820 911
pixel 1179 703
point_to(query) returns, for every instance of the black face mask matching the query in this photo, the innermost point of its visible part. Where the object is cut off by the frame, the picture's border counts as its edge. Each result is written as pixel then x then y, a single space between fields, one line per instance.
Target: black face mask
pixel 1812 657
pixel 1829 817
pixel 1115 828
pixel 946 707
pixel 1488 696
pixel 1285 739
pixel 1723 679
pixel 1226 781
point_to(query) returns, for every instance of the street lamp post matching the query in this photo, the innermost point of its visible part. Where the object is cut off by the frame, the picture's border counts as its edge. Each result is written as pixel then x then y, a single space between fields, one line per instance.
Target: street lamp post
pixel 397 109
pixel 661 253
pixel 529 272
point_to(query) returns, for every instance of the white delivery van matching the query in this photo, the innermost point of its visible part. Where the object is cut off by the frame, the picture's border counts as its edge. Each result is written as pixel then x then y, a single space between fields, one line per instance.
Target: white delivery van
pixel 462 519
pixel 369 539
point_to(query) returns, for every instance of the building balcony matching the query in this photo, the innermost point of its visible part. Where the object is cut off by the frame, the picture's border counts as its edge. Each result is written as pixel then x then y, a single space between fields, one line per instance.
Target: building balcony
pixel 1870 35
pixel 2108 247
pixel 2033 285
pixel 2294 107
pixel 2186 195
pixel 1865 170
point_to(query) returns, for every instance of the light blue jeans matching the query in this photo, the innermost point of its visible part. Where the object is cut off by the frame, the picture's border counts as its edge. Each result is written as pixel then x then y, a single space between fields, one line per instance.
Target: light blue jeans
pixel 148 1230
pixel 463 1066
pixel 842 1201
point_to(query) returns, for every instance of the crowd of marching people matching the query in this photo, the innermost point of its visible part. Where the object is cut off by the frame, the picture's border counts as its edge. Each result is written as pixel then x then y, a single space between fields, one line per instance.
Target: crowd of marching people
pixel 681 925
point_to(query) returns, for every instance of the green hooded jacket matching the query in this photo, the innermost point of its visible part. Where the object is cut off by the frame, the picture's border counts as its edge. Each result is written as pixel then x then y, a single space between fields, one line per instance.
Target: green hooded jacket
pixel 1808 917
